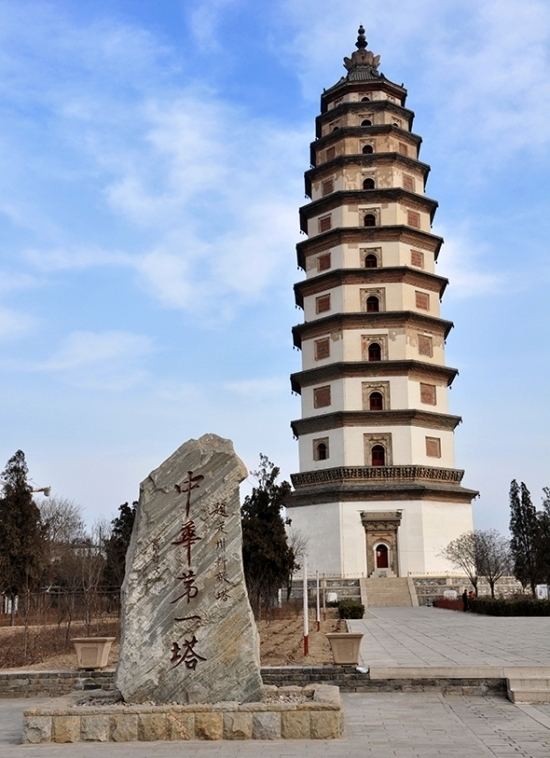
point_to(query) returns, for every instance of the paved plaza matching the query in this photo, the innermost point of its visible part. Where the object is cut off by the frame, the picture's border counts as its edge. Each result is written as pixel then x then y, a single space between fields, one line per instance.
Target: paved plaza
pixel 415 725
pixel 405 725
pixel 417 637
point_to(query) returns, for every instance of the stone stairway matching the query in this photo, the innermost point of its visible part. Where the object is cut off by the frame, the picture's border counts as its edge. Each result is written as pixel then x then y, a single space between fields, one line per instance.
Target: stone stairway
pixel 529 689
pixel 388 591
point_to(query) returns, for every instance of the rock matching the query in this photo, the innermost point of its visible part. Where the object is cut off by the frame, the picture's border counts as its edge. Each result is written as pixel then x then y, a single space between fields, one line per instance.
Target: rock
pixel 266 726
pixel 188 633
pixel 66 729
pixel 37 729
pixel 95 728
pixel 295 725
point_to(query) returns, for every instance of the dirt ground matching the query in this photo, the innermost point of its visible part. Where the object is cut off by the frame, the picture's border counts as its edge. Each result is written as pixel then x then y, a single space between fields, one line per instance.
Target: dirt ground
pixel 281 643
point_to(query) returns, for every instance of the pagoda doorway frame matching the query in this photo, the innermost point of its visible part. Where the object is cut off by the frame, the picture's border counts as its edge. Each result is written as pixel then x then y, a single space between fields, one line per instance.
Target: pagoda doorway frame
pixel 381 528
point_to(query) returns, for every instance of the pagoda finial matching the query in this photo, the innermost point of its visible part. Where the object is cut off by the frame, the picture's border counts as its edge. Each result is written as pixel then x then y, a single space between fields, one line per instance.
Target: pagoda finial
pixel 363 60
pixel 361 43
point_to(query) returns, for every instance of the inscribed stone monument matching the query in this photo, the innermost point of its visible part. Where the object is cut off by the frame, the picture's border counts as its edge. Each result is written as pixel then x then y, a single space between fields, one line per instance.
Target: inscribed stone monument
pixel 188 633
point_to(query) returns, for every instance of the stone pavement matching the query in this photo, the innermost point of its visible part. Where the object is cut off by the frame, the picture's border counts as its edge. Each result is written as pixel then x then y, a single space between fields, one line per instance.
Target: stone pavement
pixel 422 636
pixel 404 725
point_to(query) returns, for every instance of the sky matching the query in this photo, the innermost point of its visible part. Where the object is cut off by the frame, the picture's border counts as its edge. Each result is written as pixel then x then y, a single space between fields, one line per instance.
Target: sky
pixel 152 158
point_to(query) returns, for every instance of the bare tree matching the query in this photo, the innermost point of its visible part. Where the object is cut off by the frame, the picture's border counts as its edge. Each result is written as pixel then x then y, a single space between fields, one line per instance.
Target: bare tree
pixel 297 542
pixel 62 519
pixel 465 553
pixel 495 556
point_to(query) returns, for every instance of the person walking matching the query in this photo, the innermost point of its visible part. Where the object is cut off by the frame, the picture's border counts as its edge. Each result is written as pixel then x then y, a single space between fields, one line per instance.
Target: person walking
pixel 465 599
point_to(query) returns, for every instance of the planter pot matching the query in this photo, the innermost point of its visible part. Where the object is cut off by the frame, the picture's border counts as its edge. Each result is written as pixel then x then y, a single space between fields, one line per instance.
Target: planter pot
pixel 92 652
pixel 345 646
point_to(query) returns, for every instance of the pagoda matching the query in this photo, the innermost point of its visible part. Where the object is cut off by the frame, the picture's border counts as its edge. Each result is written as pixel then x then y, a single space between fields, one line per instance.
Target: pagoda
pixel 377 492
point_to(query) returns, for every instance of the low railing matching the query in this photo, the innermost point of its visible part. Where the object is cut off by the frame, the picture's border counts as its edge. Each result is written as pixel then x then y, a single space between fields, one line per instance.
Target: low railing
pixel 378 473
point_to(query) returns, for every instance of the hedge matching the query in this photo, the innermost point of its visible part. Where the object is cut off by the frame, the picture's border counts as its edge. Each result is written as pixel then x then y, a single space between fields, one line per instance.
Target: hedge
pixel 349 608
pixel 509 607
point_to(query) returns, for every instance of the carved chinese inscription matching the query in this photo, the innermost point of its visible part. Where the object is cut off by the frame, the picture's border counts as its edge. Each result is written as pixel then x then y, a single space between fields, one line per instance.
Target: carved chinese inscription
pixel 188 634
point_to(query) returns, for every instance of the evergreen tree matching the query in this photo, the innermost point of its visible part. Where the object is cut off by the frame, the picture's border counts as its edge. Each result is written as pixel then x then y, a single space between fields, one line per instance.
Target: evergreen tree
pixel 21 538
pixel 544 537
pixel 525 530
pixel 116 546
pixel 267 557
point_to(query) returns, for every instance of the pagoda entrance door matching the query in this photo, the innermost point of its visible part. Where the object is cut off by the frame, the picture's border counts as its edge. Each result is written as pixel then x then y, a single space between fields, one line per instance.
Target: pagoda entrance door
pixel 382 558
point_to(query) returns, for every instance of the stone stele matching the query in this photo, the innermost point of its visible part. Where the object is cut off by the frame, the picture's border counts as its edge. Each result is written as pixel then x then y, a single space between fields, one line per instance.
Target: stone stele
pixel 188 633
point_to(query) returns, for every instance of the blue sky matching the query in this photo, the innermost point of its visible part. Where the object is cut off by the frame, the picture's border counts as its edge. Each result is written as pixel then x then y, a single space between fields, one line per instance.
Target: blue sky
pixel 152 157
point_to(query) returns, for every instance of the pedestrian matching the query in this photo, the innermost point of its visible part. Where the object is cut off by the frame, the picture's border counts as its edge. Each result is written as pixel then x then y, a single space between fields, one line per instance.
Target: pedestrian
pixel 465 599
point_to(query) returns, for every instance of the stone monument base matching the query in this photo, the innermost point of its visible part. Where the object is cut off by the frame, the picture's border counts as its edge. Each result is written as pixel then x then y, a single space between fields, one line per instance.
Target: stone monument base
pixel 311 712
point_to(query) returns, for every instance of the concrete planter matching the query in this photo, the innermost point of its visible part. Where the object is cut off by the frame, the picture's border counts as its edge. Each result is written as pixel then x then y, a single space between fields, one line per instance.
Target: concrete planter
pixel 92 652
pixel 345 646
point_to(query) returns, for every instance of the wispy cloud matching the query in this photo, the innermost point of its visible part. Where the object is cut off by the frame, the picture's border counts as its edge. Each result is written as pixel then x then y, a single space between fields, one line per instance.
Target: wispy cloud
pixel 109 360
pixel 469 264
pixel 14 324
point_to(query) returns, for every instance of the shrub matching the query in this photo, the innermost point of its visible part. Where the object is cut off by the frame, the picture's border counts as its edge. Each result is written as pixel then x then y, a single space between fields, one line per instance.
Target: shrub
pixel 522 606
pixel 349 608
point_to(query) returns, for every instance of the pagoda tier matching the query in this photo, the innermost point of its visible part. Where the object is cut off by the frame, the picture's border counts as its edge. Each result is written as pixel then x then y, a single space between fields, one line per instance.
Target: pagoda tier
pixel 375 425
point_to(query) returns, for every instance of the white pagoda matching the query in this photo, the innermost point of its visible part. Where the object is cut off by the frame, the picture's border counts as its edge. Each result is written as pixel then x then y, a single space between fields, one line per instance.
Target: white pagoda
pixel 378 491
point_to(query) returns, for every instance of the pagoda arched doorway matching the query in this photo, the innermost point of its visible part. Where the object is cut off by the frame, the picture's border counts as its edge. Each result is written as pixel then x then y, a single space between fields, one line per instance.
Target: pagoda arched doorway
pixel 382 557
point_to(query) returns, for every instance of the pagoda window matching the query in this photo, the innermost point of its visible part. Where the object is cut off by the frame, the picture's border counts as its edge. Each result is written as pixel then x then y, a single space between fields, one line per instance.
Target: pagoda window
pixel 368 183
pixel 375 352
pixel 366 122
pixel 371 261
pixel 330 153
pixel 422 300
pixel 325 223
pixel 368 149
pixel 320 449
pixel 378 456
pixel 322 303
pixel 321 397
pixel 365 99
pixel 327 187
pixel 322 348
pixel 369 220
pixel 376 401
pixel 413 219
pixel 373 304
pixel 433 447
pixel 323 262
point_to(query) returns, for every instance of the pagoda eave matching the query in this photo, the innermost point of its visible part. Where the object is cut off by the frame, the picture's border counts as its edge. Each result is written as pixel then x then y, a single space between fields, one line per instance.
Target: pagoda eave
pixel 397 417
pixel 373 105
pixel 364 159
pixel 343 369
pixel 367 235
pixel 401 274
pixel 390 194
pixel 364 320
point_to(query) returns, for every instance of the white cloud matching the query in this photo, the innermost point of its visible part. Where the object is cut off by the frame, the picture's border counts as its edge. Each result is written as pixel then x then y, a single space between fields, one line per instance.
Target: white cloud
pixel 466 262
pixel 14 324
pixel 259 389
pixel 108 360
pixel 66 258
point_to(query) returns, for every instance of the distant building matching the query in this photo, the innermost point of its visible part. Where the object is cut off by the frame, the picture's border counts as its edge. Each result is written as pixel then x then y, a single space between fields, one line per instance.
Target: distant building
pixel 377 491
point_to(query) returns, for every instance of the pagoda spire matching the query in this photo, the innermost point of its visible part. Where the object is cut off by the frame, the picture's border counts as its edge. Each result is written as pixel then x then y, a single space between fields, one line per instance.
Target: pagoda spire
pixel 362 60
